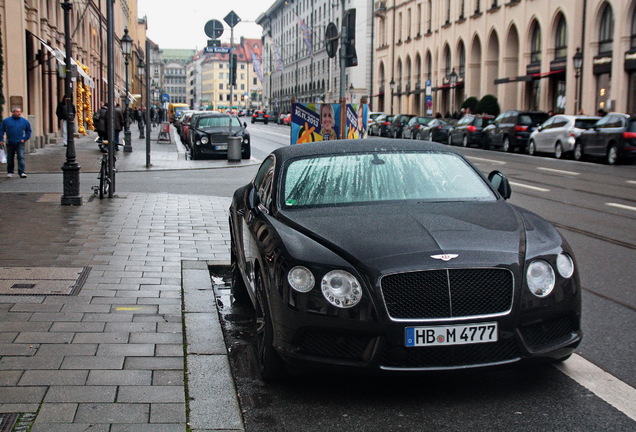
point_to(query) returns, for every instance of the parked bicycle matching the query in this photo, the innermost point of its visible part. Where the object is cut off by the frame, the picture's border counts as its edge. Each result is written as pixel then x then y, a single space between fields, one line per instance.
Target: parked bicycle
pixel 105 182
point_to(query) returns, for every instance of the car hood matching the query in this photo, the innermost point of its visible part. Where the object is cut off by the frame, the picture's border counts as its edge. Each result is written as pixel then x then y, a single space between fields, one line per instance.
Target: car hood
pixel 404 237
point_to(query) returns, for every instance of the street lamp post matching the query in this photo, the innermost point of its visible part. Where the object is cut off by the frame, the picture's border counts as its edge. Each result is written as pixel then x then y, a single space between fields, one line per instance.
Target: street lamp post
pixel 578 64
pixel 141 71
pixel 453 81
pixel 126 47
pixel 392 85
pixel 351 88
pixel 70 168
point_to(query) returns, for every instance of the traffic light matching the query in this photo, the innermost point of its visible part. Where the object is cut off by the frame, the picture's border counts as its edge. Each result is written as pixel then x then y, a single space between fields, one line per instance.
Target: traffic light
pixel 350 38
pixel 233 70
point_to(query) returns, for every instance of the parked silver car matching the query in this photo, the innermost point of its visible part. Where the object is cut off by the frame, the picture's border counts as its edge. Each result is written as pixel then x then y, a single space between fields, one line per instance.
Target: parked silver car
pixel 558 134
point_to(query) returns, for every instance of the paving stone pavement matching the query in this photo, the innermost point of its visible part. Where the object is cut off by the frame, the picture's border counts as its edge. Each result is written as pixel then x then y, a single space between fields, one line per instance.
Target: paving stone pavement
pixel 111 358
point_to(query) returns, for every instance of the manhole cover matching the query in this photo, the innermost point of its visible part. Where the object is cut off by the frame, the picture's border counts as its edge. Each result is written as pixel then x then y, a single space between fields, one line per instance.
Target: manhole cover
pixel 42 280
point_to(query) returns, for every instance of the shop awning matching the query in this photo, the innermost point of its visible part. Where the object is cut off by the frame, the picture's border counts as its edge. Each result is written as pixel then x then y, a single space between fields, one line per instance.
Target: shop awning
pixel 61 58
pixel 529 77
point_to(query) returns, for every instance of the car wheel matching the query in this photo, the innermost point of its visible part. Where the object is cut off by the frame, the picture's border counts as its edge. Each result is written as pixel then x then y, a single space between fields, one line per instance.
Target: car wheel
pixel 270 364
pixel 265 121
pixel 506 144
pixel 252 121
pixel 532 148
pixel 558 150
pixel 465 141
pixel 449 141
pixel 578 152
pixel 484 142
pixel 193 153
pixel 237 287
pixel 612 155
pixel 247 152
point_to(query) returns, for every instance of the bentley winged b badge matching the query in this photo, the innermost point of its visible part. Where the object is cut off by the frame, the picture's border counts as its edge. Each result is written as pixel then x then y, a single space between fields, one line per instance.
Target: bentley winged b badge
pixel 444 257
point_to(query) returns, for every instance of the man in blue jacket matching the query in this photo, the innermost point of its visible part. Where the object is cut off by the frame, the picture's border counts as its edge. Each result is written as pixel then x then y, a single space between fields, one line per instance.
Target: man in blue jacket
pixel 18 130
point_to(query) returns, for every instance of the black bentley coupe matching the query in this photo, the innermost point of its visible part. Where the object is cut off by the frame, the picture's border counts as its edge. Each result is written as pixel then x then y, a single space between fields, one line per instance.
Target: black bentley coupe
pixel 395 255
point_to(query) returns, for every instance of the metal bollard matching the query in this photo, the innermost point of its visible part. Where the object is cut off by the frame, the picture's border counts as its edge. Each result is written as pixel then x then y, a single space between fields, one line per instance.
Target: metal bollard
pixel 234 149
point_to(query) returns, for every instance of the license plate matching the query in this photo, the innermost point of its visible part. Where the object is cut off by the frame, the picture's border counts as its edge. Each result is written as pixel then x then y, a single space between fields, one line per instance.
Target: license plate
pixel 451 335
pixel 220 147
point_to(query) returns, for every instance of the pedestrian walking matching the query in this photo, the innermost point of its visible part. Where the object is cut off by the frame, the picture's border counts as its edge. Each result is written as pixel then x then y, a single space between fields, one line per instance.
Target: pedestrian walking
pixel 119 122
pixel 18 130
pixel 100 120
pixel 63 115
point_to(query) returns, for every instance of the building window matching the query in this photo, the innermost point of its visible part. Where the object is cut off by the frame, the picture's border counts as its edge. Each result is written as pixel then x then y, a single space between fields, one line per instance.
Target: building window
pixel 633 33
pixel 535 45
pixel 448 8
pixel 477 6
pixel 561 40
pixel 429 16
pixel 606 31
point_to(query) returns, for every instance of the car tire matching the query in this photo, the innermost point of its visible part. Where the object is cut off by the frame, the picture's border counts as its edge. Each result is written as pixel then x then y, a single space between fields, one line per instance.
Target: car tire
pixel 558 151
pixel 612 155
pixel 193 153
pixel 465 141
pixel 532 148
pixel 449 141
pixel 253 121
pixel 270 364
pixel 265 121
pixel 237 287
pixel 578 152
pixel 506 145
pixel 485 145
pixel 247 152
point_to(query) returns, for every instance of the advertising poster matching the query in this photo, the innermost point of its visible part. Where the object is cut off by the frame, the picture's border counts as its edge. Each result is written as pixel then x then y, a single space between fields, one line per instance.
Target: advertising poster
pixel 321 122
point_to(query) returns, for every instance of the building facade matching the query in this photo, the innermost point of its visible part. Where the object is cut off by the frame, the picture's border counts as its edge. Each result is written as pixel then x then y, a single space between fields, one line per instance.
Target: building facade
pixel 296 66
pixel 433 54
pixel 209 78
pixel 32 39
pixel 174 66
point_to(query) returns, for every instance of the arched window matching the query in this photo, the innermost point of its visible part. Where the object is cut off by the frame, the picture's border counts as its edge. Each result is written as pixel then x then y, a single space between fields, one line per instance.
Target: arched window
pixel 535 46
pixel 561 40
pixel 462 60
pixel 429 66
pixel 633 32
pixel 447 62
pixel 606 31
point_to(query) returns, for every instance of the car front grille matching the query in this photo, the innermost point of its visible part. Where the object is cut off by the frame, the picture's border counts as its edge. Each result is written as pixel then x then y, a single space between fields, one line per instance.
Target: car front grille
pixel 450 356
pixel 218 139
pixel 453 293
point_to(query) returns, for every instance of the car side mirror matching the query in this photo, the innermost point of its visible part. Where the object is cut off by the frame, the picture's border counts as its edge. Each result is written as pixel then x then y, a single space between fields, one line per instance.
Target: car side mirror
pixel 500 183
pixel 539 128
pixel 244 124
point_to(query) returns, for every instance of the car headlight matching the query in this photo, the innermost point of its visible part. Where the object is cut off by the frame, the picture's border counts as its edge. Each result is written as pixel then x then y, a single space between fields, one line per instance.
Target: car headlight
pixel 341 289
pixel 301 279
pixel 540 277
pixel 205 140
pixel 565 265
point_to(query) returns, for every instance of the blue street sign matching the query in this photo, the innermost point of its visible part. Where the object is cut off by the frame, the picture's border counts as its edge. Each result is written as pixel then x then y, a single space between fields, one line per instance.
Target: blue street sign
pixel 165 97
pixel 428 83
pixel 217 50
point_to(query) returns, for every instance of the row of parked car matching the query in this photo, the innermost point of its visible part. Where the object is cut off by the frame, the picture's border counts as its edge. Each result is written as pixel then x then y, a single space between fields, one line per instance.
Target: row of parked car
pixel 205 133
pixel 611 138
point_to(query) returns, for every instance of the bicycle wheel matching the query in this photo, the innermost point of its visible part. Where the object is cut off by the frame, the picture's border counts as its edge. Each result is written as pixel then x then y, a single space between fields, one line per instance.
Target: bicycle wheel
pixel 104 181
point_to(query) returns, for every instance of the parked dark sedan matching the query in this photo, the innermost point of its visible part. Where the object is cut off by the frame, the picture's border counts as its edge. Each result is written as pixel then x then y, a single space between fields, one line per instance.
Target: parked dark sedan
pixel 468 130
pixel 381 125
pixel 398 124
pixel 209 132
pixel 511 129
pixel 612 138
pixel 414 125
pixel 397 255
pixel 436 130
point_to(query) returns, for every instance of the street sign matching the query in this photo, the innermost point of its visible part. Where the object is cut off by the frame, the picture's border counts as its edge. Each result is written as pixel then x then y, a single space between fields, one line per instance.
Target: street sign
pixel 165 97
pixel 331 39
pixel 213 29
pixel 232 19
pixel 217 50
pixel 429 101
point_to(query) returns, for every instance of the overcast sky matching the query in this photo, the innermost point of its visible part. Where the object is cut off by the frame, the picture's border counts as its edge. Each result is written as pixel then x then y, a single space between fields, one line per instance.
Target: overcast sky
pixel 180 23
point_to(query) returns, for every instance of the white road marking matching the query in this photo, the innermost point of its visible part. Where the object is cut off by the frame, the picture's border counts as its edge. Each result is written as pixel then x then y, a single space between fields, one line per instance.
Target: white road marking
pixel 557 171
pixel 631 181
pixel 609 388
pixel 496 162
pixel 621 206
pixel 521 185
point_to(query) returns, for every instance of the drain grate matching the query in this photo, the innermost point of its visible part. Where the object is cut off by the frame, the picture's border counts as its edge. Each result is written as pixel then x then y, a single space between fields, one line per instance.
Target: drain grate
pixel 42 280
pixel 7 421
pixel 16 422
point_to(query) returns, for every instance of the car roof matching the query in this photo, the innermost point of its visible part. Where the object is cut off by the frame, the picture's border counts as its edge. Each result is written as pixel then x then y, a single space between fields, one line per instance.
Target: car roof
pixel 379 145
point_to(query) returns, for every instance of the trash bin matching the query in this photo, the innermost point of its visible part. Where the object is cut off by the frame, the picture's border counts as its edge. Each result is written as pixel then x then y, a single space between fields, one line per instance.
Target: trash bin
pixel 234 149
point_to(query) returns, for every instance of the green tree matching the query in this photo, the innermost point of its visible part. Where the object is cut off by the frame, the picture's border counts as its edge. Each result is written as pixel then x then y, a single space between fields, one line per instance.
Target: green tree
pixel 488 105
pixel 470 104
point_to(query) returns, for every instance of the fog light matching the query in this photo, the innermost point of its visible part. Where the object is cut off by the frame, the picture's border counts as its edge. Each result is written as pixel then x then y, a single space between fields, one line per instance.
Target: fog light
pixel 341 289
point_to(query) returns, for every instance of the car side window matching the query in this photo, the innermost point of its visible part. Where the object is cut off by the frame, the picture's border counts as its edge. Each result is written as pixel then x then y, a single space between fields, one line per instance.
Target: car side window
pixel 559 122
pixel 549 123
pixel 259 179
pixel 265 192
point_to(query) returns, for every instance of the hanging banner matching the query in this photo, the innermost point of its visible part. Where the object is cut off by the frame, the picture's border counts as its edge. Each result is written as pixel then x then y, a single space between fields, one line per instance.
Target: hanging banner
pixel 321 122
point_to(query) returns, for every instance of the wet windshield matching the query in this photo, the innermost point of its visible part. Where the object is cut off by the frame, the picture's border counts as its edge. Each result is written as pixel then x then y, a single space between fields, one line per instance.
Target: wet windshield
pixel 377 177
pixel 208 122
